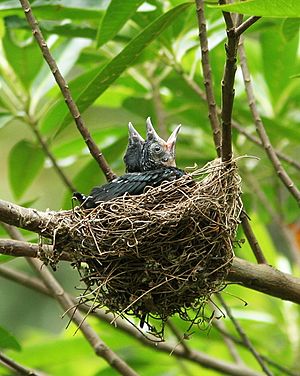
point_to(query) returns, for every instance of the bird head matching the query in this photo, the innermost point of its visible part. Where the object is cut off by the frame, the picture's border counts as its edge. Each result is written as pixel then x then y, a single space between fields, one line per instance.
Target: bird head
pixel 133 155
pixel 158 153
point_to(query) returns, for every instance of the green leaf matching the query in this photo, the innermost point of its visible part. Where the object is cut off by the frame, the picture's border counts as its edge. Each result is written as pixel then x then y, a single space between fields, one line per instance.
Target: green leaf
pixel 25 162
pixel 66 54
pixel 118 12
pixel 57 10
pixel 52 117
pixel 264 8
pixel 3 260
pixel 277 71
pixel 102 80
pixel 5 117
pixel 52 27
pixel 290 28
pixel 8 341
pixel 25 59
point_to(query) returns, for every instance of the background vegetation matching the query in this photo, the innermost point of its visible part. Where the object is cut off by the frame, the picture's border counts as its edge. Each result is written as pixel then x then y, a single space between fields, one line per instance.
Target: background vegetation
pixel 125 61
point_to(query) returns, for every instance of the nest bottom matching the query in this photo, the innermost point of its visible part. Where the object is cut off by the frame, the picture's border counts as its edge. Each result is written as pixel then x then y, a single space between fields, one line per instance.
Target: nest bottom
pixel 159 253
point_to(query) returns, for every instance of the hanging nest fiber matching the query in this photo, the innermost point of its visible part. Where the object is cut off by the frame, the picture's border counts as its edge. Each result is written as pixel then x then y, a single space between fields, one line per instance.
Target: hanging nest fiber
pixel 161 252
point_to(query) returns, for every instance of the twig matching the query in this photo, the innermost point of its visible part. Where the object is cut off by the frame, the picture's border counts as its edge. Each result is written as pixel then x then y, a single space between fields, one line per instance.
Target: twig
pixel 244 337
pixel 257 251
pixel 239 342
pixel 208 82
pixel 180 338
pixel 282 174
pixel 93 148
pixel 276 219
pixel 257 141
pixel 261 277
pixel 48 153
pixel 194 86
pixel 100 348
pixel 17 367
pixel 159 112
pixel 19 248
pixel 245 25
pixel 228 91
pixel 219 325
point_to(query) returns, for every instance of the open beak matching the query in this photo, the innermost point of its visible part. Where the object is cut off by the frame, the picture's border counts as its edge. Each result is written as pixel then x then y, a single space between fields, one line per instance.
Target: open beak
pixel 134 135
pixel 171 143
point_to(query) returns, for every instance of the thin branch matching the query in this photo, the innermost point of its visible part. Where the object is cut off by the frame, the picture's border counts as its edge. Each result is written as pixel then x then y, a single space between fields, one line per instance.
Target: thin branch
pixel 179 336
pixel 282 174
pixel 158 108
pixel 18 248
pixel 276 219
pixel 239 342
pixel 245 25
pixel 220 326
pixel 257 141
pixel 48 153
pixel 17 367
pixel 93 148
pixel 195 87
pixel 100 348
pixel 252 240
pixel 261 277
pixel 244 337
pixel 208 81
pixel 228 91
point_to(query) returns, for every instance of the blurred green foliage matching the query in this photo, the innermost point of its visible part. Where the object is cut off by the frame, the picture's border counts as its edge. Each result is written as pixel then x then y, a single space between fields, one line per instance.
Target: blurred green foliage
pixel 148 47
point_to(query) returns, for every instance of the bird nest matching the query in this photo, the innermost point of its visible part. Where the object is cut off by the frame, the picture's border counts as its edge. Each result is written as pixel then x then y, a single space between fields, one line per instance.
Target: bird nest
pixel 159 253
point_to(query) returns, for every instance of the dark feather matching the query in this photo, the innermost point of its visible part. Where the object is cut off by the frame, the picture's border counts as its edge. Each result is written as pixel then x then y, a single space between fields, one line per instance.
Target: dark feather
pixel 131 183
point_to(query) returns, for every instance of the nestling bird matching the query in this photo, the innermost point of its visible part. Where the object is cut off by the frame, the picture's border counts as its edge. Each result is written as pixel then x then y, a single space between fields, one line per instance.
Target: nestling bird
pixel 151 154
pixel 148 164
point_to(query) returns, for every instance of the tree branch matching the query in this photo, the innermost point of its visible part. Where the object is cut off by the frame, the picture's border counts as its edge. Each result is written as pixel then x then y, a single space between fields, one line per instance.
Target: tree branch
pixel 257 251
pixel 195 87
pixel 208 81
pixel 266 279
pixel 245 25
pixel 93 148
pixel 12 365
pixel 282 174
pixel 244 337
pixel 220 326
pixel 19 248
pixel 228 91
pixel 48 153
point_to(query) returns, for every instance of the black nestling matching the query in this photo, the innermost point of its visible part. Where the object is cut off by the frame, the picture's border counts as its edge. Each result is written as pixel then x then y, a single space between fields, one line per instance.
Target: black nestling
pixel 148 164
pixel 154 153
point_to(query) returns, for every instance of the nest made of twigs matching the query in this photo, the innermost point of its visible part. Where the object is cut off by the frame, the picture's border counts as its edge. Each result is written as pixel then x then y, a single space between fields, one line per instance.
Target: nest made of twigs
pixel 160 252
